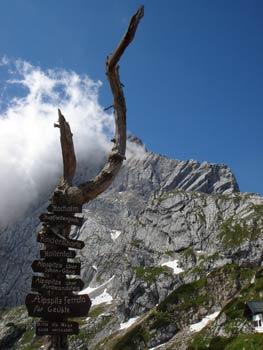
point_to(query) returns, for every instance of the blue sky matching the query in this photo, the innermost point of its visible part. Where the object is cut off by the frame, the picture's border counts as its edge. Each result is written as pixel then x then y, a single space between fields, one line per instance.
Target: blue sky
pixel 193 76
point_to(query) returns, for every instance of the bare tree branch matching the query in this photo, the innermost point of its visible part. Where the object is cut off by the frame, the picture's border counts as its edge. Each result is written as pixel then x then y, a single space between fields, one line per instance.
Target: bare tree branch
pixel 126 39
pixel 89 190
pixel 100 183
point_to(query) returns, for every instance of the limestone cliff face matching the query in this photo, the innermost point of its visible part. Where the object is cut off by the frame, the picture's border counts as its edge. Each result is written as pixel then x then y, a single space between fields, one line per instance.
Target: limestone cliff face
pixel 143 175
pixel 162 225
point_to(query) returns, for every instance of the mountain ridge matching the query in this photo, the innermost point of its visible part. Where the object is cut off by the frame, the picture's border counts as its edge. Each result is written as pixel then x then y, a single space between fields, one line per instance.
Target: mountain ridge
pixel 159 212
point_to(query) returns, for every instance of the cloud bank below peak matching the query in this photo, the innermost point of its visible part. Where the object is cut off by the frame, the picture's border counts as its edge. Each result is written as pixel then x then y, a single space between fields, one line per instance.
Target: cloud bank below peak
pixel 30 155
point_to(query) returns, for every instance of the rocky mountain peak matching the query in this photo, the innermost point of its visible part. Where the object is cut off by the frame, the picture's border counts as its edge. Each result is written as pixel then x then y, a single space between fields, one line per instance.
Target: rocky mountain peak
pixel 164 229
pixel 135 139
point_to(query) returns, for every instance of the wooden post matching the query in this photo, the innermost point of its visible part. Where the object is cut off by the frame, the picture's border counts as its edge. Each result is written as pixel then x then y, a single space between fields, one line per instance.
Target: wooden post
pixel 54 287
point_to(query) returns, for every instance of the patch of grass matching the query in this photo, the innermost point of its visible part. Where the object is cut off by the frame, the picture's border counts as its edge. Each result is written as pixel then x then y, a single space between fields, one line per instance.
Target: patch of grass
pixel 259 273
pixel 197 270
pixel 86 334
pixel 150 274
pixel 34 346
pixel 201 257
pixel 136 243
pixel 246 274
pixel 186 296
pixel 213 257
pixel 258 209
pixel 98 278
pixel 161 319
pixel 232 270
pixel 199 342
pixel 170 253
pixel 188 252
pixel 234 233
pixel 96 311
pixel 105 320
pixel 245 342
pixel 166 195
pixel 235 309
pixel 240 342
pixel 219 343
pixel 15 314
pixel 80 320
pixel 204 340
pixel 259 284
pixel 132 339
pixel 29 341
pixel 202 293
pixel 201 216
pixel 28 336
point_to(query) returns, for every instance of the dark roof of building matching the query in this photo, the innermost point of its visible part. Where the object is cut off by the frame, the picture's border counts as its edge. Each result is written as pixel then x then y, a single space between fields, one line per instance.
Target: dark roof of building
pixel 256 307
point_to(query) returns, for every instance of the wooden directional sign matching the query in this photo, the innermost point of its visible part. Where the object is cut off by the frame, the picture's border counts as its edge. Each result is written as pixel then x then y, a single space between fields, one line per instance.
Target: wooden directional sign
pixel 64 210
pixel 54 284
pixel 56 328
pixel 54 219
pixel 57 254
pixel 57 307
pixel 55 240
pixel 56 267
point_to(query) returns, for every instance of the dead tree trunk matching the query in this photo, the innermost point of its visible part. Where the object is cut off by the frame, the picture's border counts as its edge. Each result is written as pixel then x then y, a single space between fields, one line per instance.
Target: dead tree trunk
pixel 67 195
pixel 83 193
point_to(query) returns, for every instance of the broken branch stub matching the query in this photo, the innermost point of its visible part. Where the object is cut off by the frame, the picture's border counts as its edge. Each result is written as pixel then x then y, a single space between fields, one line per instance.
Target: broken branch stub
pixel 67 147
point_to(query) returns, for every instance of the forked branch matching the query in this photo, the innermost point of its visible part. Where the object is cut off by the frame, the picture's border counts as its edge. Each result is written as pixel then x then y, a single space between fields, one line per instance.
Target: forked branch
pixel 89 190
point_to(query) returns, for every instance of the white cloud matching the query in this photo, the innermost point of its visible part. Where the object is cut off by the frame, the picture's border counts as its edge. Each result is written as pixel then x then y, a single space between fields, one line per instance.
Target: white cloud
pixel 135 149
pixel 4 61
pixel 30 156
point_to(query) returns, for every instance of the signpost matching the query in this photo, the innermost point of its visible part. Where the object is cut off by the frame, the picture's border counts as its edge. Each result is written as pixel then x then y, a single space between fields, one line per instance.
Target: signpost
pixel 53 299
pixel 53 303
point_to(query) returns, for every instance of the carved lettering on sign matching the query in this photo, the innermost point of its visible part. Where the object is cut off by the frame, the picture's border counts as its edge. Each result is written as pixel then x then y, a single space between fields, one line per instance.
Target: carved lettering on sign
pixel 56 267
pixel 56 328
pixel 64 209
pixel 52 239
pixel 57 254
pixel 53 307
pixel 63 285
pixel 53 219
